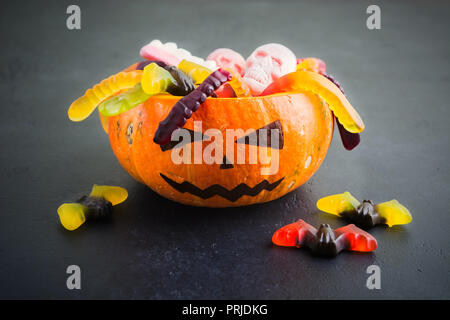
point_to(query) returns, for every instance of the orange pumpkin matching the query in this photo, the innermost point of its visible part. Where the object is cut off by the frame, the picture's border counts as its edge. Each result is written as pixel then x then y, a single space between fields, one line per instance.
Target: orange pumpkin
pixel 305 123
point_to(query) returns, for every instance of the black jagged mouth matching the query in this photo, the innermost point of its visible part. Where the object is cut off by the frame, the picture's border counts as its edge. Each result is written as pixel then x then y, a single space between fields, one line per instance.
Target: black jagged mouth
pixel 218 190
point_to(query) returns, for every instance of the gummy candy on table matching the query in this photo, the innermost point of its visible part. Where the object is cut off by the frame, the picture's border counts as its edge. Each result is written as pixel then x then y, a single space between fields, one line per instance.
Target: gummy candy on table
pixel 300 81
pixel 336 204
pixel 187 105
pixel 312 64
pixel 393 212
pixel 98 205
pixel 324 241
pixel 365 214
pixel 81 108
pixel 113 194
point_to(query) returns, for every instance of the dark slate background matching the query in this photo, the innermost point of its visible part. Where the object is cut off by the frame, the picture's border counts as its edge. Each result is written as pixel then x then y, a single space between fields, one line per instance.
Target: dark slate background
pixel 397 77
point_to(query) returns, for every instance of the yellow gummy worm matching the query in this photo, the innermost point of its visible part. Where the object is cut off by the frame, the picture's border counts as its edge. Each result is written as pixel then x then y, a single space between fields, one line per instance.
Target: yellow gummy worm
pixel 299 81
pixel 156 80
pixel 338 203
pixel 197 72
pixel 393 212
pixel 81 108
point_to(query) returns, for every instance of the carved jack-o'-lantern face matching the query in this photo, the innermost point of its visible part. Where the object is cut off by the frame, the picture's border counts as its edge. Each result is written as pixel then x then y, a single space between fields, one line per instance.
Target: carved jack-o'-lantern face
pixel 302 124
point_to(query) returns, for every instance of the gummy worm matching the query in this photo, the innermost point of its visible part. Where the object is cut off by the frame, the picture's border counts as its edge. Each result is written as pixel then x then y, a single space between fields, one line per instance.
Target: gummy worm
pixel 187 105
pixel 349 140
pixel 81 108
pixel 239 86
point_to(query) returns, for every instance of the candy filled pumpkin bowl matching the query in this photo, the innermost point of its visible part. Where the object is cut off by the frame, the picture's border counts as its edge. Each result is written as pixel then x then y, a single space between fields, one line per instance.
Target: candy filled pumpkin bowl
pixel 225 131
pixel 305 128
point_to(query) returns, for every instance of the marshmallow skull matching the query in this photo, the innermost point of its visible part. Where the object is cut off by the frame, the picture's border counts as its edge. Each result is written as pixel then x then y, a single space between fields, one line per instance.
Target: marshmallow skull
pixel 266 64
pixel 227 58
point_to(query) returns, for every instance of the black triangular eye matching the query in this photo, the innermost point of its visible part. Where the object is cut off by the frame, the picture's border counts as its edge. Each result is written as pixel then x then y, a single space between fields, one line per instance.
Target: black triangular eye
pixel 194 136
pixel 264 141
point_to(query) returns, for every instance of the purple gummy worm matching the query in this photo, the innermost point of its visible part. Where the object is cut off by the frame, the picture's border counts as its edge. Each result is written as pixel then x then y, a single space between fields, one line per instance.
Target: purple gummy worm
pixel 186 106
pixel 349 140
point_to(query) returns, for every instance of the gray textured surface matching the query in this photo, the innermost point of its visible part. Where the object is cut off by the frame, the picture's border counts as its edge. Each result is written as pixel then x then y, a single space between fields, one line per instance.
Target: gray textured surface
pixel 397 78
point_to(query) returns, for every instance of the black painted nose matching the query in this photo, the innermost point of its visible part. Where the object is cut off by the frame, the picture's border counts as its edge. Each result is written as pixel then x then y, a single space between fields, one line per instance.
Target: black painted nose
pixel 226 164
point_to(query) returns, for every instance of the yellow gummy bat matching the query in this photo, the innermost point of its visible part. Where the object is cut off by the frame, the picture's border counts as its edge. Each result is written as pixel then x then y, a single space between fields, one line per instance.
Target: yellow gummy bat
pixel 96 206
pixel 338 203
pixel 365 214
pixel 113 194
pixel 394 212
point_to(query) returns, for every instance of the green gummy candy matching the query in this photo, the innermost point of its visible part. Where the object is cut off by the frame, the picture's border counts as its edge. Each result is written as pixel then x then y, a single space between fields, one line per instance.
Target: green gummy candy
pixel 123 102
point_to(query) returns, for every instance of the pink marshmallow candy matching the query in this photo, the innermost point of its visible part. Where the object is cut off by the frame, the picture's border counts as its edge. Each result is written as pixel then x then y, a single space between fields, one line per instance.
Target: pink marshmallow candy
pixel 151 52
pixel 227 58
